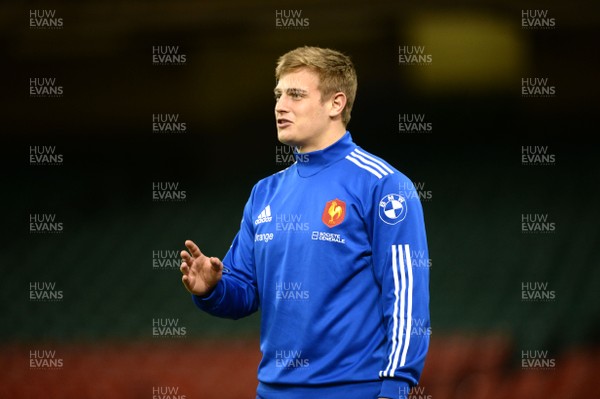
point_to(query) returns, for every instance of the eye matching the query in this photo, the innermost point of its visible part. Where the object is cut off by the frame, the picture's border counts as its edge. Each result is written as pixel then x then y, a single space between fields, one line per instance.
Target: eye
pixel 296 94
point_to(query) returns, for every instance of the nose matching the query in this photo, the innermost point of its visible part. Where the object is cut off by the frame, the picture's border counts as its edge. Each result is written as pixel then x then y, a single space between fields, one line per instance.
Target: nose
pixel 281 106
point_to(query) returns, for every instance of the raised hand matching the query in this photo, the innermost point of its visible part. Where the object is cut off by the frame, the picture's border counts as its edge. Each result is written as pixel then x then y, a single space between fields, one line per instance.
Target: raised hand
pixel 200 273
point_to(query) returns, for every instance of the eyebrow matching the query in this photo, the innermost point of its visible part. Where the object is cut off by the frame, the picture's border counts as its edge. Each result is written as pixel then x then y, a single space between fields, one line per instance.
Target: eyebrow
pixel 290 90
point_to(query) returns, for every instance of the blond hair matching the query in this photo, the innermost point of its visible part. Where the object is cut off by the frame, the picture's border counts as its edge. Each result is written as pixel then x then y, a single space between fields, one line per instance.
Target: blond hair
pixel 335 70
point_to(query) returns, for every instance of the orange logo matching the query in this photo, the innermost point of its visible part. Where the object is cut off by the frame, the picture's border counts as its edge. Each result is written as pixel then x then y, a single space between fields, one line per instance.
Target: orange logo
pixel 334 213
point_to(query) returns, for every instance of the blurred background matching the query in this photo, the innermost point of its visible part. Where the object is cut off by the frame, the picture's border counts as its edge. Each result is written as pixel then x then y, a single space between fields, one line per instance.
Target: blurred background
pixel 131 126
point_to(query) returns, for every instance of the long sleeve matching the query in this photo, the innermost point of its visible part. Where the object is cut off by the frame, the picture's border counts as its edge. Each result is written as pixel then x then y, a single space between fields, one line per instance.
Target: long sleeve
pixel 401 264
pixel 236 295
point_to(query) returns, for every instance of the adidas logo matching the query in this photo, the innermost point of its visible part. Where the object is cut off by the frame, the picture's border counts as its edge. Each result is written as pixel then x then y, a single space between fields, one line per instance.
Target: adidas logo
pixel 265 216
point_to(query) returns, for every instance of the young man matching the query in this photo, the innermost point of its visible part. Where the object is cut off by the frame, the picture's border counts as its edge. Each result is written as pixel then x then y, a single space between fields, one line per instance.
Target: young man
pixel 326 250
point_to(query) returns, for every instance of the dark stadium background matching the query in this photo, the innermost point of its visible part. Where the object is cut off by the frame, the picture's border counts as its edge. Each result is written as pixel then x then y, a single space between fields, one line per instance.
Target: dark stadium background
pixel 470 163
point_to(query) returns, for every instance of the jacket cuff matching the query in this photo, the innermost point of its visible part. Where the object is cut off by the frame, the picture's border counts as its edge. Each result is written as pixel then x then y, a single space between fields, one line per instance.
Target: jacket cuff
pixel 212 300
pixel 394 389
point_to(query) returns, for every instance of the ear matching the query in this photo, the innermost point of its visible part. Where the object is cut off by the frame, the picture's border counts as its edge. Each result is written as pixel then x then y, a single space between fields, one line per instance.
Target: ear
pixel 337 104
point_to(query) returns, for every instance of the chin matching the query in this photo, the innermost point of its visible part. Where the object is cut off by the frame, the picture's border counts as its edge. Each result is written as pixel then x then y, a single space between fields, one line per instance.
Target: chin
pixel 286 138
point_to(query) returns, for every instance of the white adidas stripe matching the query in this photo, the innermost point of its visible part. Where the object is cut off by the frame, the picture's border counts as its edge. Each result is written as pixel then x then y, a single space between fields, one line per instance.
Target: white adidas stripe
pixel 366 161
pixel 408 305
pixel 360 165
pixel 394 313
pixel 383 165
pixel 400 339
pixel 401 334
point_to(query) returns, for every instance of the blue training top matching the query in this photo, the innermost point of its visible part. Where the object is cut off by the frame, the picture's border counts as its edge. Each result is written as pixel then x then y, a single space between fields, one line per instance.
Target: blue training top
pixel 334 252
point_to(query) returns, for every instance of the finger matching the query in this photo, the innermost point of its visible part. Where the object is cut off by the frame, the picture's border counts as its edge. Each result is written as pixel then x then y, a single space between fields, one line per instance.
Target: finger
pixel 184 268
pixel 185 280
pixel 216 264
pixel 185 256
pixel 194 250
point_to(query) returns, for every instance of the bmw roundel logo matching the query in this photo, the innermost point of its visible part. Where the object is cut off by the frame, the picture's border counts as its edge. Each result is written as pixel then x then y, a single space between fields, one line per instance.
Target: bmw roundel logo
pixel 392 208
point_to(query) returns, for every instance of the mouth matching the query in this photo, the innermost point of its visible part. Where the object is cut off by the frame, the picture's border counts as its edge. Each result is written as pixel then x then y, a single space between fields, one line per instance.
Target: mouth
pixel 283 123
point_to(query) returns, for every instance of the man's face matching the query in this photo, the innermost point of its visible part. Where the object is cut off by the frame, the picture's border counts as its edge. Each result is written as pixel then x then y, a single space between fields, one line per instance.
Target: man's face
pixel 301 117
